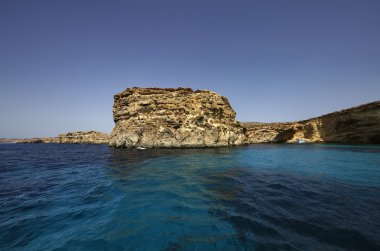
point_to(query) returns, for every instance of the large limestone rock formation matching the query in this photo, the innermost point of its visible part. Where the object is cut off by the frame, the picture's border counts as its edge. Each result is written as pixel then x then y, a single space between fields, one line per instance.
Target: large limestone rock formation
pixel 359 124
pixel 80 137
pixel 173 118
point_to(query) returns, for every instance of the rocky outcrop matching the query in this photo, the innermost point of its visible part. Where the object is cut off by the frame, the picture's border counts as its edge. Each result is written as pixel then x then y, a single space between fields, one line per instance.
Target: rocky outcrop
pixel 80 137
pixel 359 124
pixel 183 118
pixel 173 118
pixel 289 132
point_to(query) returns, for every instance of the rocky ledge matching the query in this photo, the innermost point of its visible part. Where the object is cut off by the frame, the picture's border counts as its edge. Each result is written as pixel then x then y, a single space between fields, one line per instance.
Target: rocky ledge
pixel 173 118
pixel 359 124
pixel 80 137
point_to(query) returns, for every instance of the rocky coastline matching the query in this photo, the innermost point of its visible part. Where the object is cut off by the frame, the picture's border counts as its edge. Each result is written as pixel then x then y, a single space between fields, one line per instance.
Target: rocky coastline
pixel 184 118
pixel 79 137
pixel 356 125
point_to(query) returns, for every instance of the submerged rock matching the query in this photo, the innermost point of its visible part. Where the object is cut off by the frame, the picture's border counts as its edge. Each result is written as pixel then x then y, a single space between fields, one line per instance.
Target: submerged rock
pixel 80 137
pixel 359 124
pixel 173 118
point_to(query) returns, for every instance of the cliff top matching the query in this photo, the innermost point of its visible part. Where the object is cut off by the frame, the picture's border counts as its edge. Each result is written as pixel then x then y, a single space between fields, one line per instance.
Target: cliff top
pixel 157 90
pixel 354 109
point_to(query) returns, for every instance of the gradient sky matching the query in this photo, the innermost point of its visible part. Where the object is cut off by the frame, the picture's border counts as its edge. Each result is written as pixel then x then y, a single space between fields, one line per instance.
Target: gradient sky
pixel 61 62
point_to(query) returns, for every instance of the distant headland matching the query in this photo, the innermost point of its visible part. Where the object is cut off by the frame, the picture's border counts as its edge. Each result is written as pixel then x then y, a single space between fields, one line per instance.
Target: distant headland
pixel 183 118
pixel 79 137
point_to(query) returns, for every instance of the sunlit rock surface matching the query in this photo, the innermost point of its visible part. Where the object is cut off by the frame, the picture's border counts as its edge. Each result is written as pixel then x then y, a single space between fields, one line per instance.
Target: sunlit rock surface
pixel 359 124
pixel 174 118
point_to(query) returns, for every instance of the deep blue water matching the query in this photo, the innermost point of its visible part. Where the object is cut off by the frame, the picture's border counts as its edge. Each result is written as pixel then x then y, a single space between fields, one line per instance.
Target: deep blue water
pixel 258 197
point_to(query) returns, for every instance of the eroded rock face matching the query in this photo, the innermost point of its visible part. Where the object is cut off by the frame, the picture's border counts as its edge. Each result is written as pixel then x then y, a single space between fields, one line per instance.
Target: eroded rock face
pixel 173 118
pixel 359 124
pixel 80 137
pixel 289 132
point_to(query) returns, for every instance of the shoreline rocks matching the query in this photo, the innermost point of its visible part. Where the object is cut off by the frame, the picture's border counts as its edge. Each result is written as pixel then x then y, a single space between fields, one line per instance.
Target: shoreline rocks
pixel 80 137
pixel 359 125
pixel 174 118
pixel 183 118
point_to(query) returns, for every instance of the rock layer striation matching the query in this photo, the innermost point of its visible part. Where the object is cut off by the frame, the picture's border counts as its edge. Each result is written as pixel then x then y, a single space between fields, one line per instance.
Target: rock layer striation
pixel 174 118
pixel 359 124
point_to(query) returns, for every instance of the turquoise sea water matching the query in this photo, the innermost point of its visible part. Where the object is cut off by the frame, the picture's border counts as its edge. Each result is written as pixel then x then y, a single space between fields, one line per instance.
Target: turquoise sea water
pixel 258 197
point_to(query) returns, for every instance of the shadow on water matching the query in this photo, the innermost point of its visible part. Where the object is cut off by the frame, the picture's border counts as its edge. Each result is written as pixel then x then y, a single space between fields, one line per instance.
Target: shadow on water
pixel 124 161
pixel 123 156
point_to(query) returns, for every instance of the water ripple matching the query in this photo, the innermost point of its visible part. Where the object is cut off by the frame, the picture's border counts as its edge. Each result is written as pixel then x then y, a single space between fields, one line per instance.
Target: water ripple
pixel 264 197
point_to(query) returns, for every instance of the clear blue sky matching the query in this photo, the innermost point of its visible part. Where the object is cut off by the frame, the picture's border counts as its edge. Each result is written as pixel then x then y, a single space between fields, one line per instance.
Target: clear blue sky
pixel 61 62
